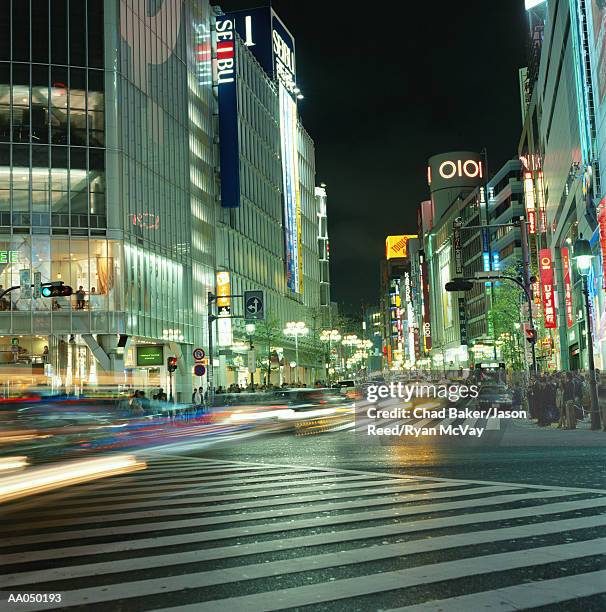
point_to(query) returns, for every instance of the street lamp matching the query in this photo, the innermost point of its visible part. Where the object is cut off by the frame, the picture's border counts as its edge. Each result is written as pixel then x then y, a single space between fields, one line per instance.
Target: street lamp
pixel 329 336
pixel 349 340
pixel 582 255
pixel 296 329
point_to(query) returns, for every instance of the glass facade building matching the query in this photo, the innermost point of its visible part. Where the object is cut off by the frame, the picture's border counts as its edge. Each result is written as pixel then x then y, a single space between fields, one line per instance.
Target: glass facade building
pixel 106 182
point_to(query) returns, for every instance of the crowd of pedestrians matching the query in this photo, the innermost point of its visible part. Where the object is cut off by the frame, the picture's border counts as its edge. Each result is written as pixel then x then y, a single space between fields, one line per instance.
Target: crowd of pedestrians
pixel 562 398
pixel 236 388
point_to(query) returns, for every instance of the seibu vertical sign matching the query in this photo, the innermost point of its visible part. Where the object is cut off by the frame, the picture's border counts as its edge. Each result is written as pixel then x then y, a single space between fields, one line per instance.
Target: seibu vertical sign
pixel 547 288
pixel 567 287
pixel 224 72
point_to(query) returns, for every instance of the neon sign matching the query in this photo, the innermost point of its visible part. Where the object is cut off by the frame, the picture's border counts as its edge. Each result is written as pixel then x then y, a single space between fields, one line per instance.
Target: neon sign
pixel 9 256
pixel 567 287
pixel 529 199
pixel 602 226
pixel 469 168
pixel 546 271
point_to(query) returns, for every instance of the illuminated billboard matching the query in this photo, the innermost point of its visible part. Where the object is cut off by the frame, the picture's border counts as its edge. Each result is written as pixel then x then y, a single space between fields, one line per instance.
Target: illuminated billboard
pixel 396 247
pixel 456 169
pixel 268 39
pixel 150 355
pixel 547 288
pixel 224 68
pixel 452 174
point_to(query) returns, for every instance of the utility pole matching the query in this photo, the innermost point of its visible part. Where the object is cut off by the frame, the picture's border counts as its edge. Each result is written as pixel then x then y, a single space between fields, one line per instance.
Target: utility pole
pixel 211 318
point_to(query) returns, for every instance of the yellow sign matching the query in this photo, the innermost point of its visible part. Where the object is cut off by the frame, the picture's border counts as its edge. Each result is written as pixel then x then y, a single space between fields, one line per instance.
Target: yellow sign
pixel 396 247
pixel 223 292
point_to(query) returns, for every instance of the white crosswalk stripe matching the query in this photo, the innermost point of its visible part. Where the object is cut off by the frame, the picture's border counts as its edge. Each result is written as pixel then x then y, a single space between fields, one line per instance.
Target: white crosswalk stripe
pixel 271 537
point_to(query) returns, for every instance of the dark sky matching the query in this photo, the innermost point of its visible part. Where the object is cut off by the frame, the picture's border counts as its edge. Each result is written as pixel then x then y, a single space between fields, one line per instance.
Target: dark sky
pixel 384 90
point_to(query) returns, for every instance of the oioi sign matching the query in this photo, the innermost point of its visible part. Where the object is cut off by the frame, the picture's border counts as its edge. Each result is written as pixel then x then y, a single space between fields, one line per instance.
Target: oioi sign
pixel 454 170
pixel 470 168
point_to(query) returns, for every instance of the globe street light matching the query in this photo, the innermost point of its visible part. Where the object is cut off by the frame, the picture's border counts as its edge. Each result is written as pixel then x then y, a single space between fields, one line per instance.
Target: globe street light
pixel 349 340
pixel 296 329
pixel 329 336
pixel 582 255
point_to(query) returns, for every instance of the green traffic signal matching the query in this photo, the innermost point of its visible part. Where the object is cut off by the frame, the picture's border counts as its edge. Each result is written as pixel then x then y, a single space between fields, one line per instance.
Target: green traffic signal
pixel 56 290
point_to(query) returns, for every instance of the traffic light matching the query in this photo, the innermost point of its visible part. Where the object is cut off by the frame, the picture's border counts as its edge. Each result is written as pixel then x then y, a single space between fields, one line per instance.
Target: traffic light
pixel 459 284
pixel 531 335
pixel 55 289
pixel 171 364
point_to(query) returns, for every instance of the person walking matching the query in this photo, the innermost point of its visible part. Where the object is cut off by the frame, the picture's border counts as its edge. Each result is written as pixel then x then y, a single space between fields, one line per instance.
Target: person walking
pixel 569 401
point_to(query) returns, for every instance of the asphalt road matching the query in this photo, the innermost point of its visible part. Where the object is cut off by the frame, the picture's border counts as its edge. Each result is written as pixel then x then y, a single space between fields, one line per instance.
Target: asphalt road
pixel 326 521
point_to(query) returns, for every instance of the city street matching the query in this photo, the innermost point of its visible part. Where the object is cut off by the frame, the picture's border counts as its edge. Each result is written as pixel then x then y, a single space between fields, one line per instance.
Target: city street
pixel 326 522
pixel 287 323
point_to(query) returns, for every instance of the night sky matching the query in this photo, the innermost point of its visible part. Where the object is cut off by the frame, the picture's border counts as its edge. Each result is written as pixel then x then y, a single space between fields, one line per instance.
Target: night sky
pixel 386 89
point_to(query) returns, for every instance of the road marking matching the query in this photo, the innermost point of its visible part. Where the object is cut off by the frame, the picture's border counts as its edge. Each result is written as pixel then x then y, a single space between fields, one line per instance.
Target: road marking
pixel 359 555
pixel 391 497
pixel 387 581
pixel 269 514
pixel 520 596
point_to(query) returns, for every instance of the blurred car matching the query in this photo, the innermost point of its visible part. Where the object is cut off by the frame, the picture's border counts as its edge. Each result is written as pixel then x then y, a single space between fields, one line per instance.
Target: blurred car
pixel 495 393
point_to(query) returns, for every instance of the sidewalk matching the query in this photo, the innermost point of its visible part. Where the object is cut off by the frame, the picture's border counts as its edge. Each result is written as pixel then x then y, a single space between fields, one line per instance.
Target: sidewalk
pixel 522 432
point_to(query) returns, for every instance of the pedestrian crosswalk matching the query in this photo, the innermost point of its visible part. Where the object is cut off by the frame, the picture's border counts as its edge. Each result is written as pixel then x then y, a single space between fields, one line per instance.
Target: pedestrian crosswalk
pixel 196 534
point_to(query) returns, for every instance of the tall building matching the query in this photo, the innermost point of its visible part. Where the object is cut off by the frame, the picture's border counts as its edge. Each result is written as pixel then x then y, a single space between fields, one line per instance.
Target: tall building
pixel 396 303
pixel 457 199
pixel 561 150
pixel 505 205
pixel 106 183
pixel 272 220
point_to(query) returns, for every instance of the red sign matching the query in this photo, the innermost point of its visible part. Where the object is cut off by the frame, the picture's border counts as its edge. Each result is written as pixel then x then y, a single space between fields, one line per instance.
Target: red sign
pixel 547 289
pixel 602 225
pixel 567 286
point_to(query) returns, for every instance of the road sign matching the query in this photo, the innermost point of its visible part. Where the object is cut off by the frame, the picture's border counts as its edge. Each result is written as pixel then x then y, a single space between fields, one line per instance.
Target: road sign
pixel 37 284
pixel 199 370
pixel 199 354
pixel 252 361
pixel 254 305
pixel 25 280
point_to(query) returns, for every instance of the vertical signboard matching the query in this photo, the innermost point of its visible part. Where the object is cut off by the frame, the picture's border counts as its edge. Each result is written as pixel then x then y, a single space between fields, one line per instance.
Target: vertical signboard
pixel 292 194
pixel 458 248
pixel 462 321
pixel 225 78
pixel 529 199
pixel 602 226
pixel 486 249
pixel 273 46
pixel 541 198
pixel 25 280
pixel 547 289
pixel 426 311
pixel 567 286
pixel 224 328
